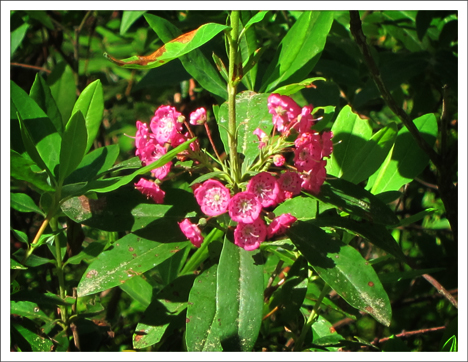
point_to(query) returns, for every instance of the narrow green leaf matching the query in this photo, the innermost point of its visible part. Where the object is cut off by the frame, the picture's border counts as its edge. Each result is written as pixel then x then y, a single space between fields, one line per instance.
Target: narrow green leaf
pixel 130 256
pixel 114 183
pixel 407 160
pixel 195 63
pixel 343 269
pixel 73 145
pixel 128 18
pixel 350 134
pixel 42 94
pixel 255 19
pixel 42 17
pixel 299 50
pixel 375 233
pixel 251 113
pixel 139 289
pixel 63 89
pixel 355 200
pixel 17 37
pixel 371 156
pixel 296 87
pixel 28 309
pixel 95 163
pixel 87 254
pixel 16 265
pixel 91 104
pixel 42 133
pixel 24 203
pixel 173 49
pixel 201 312
pixel 416 217
pixel 35 342
pixel 410 274
pixel 248 45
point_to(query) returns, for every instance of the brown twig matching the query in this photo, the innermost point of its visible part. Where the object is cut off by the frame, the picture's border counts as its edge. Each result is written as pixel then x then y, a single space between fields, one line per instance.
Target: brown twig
pixel 356 30
pixel 441 289
pixel 30 66
pixel 409 334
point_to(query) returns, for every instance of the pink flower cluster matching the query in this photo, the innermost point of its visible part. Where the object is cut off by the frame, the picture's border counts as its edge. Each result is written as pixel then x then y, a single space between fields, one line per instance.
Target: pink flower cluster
pixel 151 144
pixel 245 208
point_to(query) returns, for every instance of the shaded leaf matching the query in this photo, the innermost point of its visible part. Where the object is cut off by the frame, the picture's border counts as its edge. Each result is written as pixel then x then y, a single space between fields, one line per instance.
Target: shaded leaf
pixel 20 169
pixel 73 145
pixel 63 89
pixel 28 309
pixel 128 18
pixel 343 269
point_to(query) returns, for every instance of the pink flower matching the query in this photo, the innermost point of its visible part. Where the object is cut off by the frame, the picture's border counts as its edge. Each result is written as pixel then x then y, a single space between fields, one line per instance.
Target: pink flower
pixel 290 183
pixel 178 139
pixel 284 111
pixel 151 153
pixel 314 178
pixel 327 144
pixel 198 117
pixel 280 224
pixel 191 232
pixel 278 160
pixel 213 197
pixel 142 136
pixel 150 189
pixel 262 137
pixel 265 187
pixel 165 124
pixel 307 155
pixel 250 236
pixel 244 207
pixel 304 120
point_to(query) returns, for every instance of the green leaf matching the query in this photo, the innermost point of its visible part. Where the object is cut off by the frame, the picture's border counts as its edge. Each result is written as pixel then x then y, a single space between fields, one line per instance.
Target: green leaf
pixel 33 260
pixel 173 49
pixel 28 309
pixel 239 298
pixel 24 203
pixel 20 169
pixel 296 87
pixel 42 17
pixel 35 343
pixel 45 138
pixel 91 105
pixel 73 145
pixel 195 63
pixel 95 163
pixel 130 256
pixel 17 37
pixel 407 160
pixel 355 200
pixel 248 45
pixel 350 135
pixel 375 233
pixel 299 50
pixel 343 269
pixel 87 254
pixel 139 289
pixel 16 265
pixel 201 312
pixel 128 18
pixel 324 334
pixel 164 313
pixel 42 94
pixel 63 89
pixel 114 183
pixel 416 217
pixel 371 156
pixel 251 113
pixel 255 19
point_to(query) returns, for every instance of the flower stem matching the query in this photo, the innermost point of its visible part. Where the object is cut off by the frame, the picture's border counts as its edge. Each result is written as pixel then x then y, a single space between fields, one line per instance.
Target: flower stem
pixel 233 37
pixel 61 279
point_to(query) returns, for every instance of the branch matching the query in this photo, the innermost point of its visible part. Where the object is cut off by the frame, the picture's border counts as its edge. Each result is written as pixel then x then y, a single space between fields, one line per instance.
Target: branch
pixel 441 289
pixel 410 333
pixel 30 66
pixel 360 38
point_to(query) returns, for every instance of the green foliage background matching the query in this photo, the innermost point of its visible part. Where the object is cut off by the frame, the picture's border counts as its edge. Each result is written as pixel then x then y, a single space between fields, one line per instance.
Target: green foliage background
pixel 417 54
